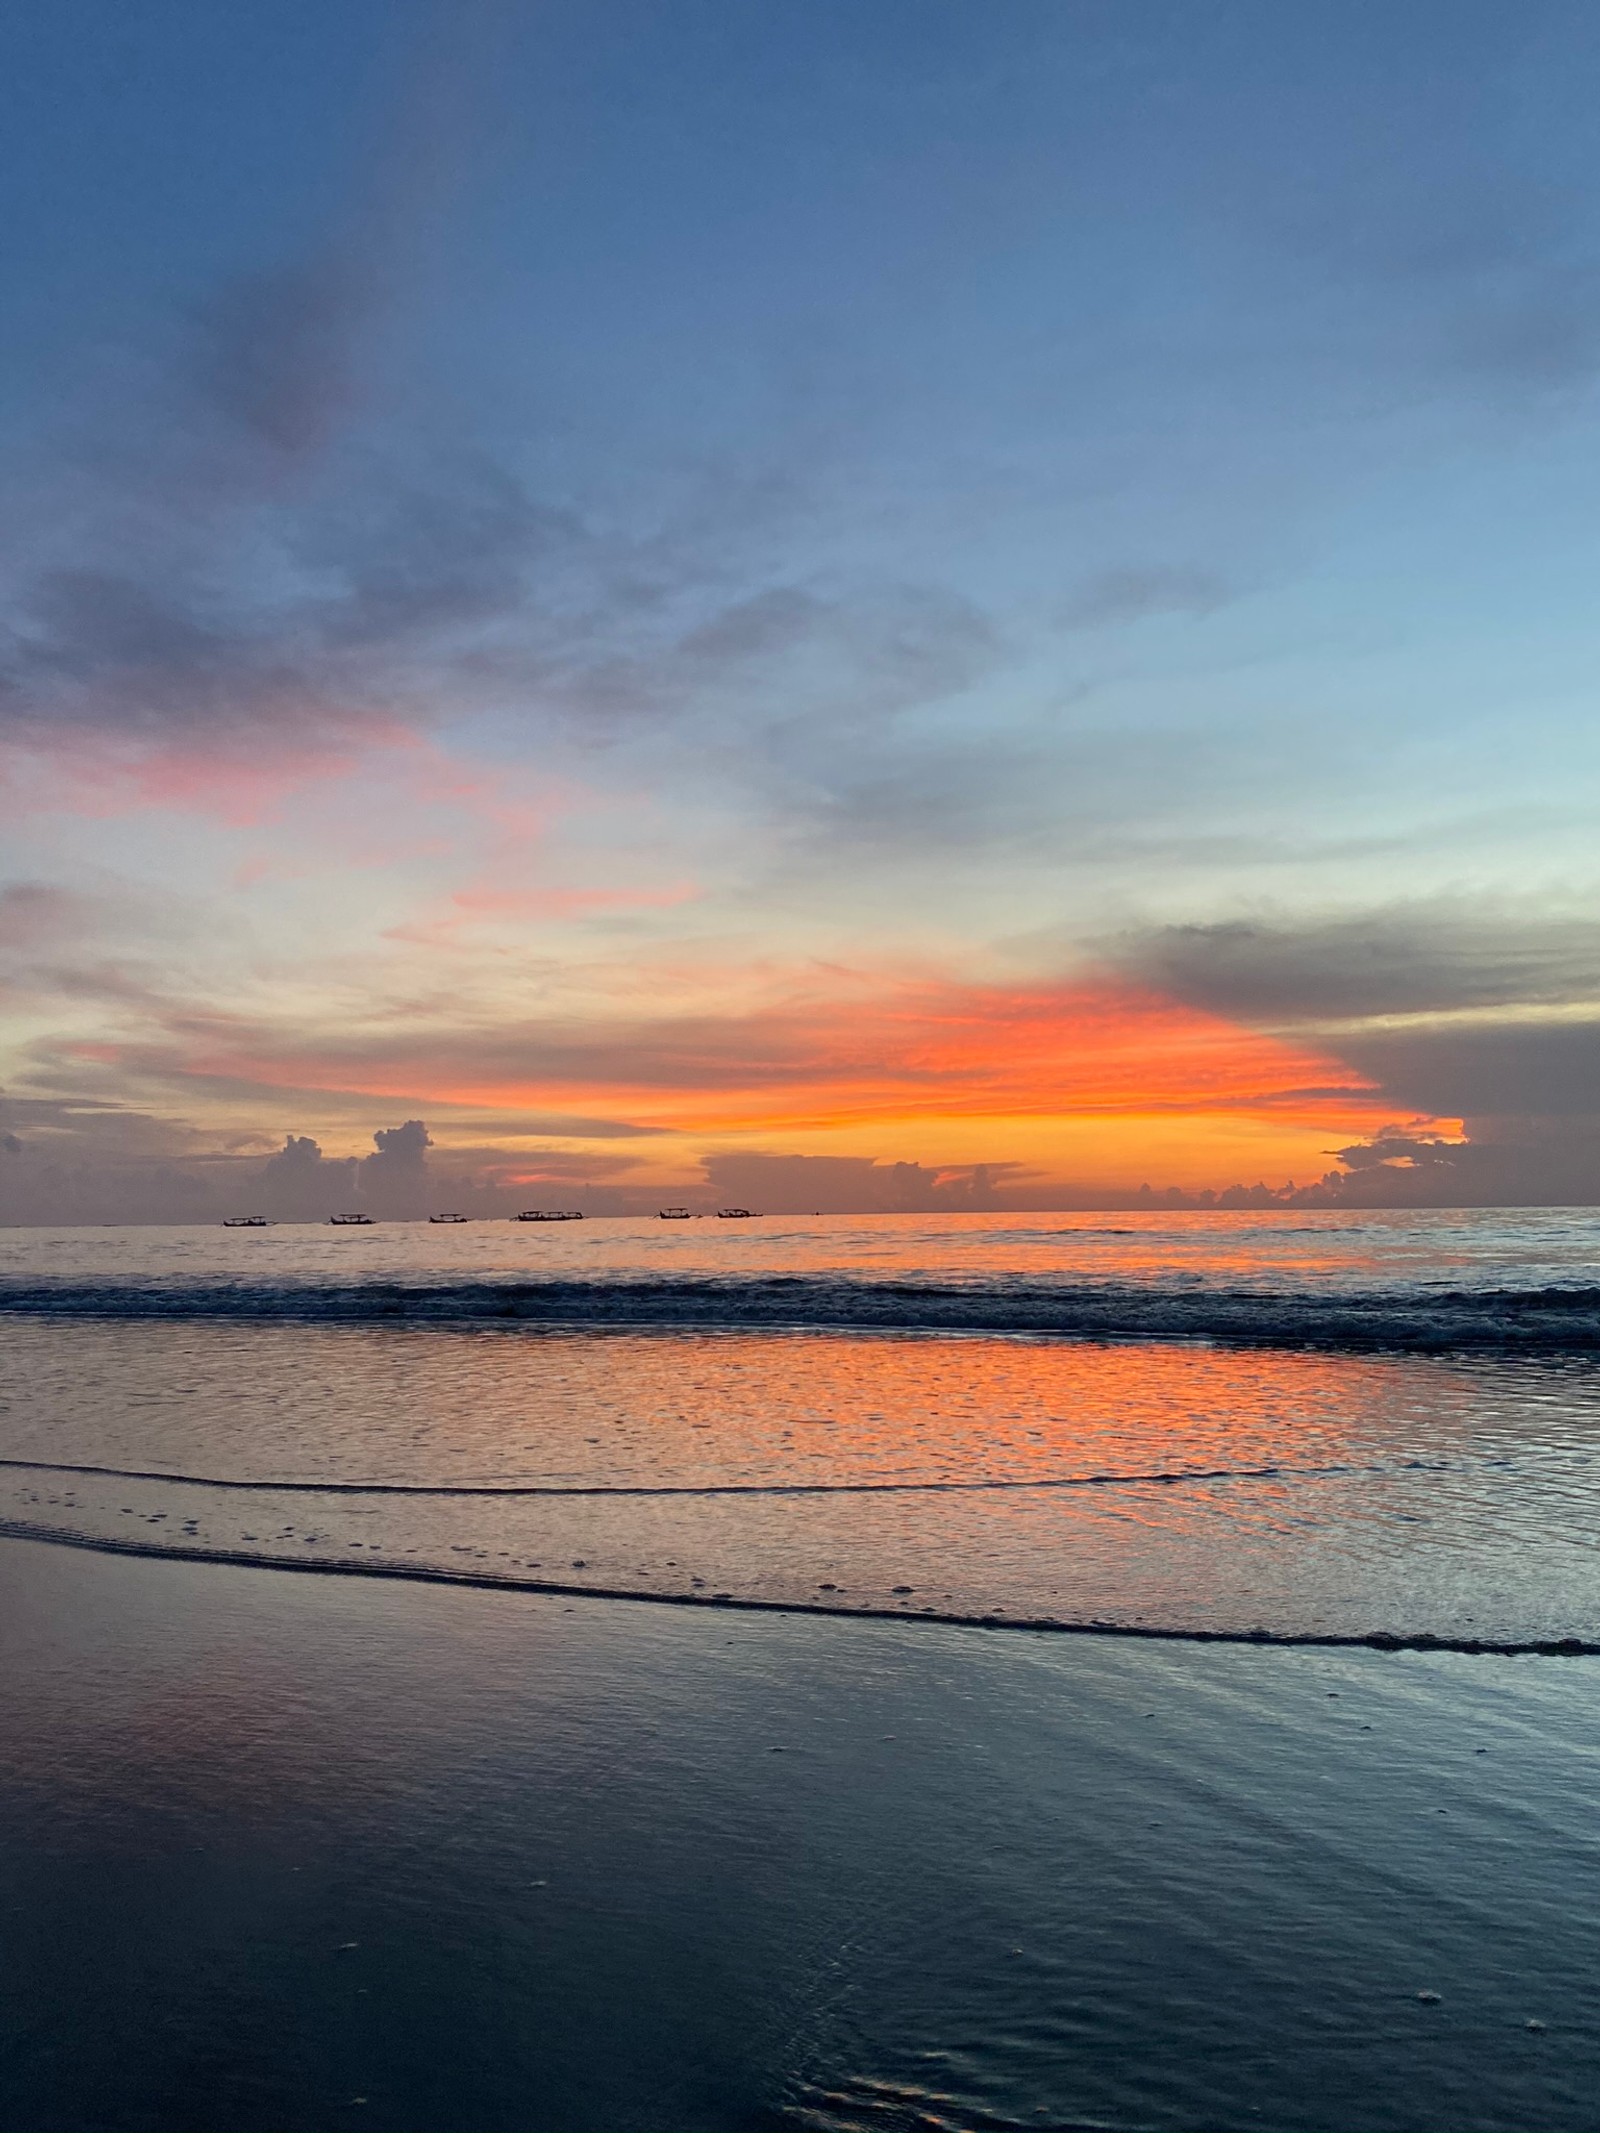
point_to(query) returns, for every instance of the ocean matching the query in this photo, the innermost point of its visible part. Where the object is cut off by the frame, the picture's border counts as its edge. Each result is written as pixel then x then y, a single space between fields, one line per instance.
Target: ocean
pixel 870 1675
pixel 1322 1426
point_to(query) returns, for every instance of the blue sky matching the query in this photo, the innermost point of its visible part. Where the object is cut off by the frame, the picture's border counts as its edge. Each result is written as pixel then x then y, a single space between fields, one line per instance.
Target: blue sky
pixel 563 553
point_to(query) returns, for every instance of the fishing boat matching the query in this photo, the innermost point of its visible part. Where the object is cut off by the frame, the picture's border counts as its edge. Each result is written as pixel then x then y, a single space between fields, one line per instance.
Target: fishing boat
pixel 245 1222
pixel 549 1214
pixel 351 1221
pixel 675 1214
pixel 736 1214
pixel 449 1218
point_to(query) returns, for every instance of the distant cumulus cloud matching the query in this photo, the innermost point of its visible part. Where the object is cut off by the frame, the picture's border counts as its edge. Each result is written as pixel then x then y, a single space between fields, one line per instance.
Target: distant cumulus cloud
pixel 842 1184
pixel 66 1160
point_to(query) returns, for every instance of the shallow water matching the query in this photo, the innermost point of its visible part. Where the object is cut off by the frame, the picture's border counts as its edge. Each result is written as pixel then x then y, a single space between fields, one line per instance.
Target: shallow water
pixel 340 1400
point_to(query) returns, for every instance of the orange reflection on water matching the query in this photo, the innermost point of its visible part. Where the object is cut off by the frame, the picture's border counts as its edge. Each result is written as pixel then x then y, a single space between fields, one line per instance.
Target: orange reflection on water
pixel 1176 1486
pixel 452 1408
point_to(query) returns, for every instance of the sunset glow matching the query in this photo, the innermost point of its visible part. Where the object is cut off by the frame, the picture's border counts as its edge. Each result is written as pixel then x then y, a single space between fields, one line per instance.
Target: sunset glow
pixel 622 680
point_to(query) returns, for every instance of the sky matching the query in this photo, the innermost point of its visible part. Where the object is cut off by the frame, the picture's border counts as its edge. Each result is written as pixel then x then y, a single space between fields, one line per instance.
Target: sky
pixel 896 606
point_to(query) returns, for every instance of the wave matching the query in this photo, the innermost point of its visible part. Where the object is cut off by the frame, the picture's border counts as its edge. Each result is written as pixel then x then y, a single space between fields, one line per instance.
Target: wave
pixel 1161 1477
pixel 1383 1640
pixel 1549 1320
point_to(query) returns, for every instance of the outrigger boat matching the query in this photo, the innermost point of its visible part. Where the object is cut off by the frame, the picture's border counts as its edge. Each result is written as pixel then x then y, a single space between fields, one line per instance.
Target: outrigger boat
pixel 351 1221
pixel 549 1214
pixel 449 1218
pixel 736 1214
pixel 245 1222
pixel 676 1214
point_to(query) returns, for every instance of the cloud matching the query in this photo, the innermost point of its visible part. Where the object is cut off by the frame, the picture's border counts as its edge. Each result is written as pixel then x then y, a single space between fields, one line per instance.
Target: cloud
pixel 827 1045
pixel 35 915
pixel 81 1161
pixel 1497 1162
pixel 188 626
pixel 852 1185
pixel 1521 1067
pixel 1451 1012
pixel 394 1178
pixel 276 350
pixel 300 1183
pixel 311 620
pixel 1398 959
pixel 782 671
pixel 74 1160
pixel 1135 593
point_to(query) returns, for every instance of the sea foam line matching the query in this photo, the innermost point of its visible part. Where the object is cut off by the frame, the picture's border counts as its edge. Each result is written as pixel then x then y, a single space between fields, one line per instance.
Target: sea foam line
pixel 1382 1640
pixel 1158 1477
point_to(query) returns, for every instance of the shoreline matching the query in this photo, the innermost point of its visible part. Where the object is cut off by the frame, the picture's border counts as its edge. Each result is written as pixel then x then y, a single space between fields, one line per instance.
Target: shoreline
pixel 728 1603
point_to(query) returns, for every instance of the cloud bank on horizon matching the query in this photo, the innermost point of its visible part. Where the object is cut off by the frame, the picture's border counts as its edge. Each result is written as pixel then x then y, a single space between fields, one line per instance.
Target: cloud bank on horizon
pixel 898 608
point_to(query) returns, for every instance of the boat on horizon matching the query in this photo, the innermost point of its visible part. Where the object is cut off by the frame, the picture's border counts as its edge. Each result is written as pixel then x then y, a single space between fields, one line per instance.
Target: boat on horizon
pixel 675 1214
pixel 549 1214
pixel 245 1222
pixel 350 1221
pixel 736 1214
pixel 449 1218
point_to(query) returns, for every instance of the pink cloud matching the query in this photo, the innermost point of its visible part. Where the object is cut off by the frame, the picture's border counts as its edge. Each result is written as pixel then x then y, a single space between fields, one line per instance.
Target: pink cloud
pixel 91 776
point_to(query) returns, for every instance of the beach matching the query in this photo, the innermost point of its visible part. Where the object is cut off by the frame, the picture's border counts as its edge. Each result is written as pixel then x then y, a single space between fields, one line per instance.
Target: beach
pixel 799 1068
pixel 284 1851
pixel 466 1682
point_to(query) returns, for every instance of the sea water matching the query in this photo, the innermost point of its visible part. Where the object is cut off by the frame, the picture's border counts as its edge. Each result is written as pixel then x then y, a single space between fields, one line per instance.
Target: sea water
pixel 1294 1426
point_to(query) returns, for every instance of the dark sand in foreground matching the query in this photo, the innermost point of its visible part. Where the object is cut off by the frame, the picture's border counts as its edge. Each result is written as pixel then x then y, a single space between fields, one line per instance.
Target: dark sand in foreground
pixel 295 1854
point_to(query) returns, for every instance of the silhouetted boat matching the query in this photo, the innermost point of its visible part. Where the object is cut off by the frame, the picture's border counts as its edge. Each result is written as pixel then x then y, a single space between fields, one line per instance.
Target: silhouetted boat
pixel 245 1222
pixel 351 1221
pixel 736 1214
pixel 549 1214
pixel 449 1218
pixel 675 1214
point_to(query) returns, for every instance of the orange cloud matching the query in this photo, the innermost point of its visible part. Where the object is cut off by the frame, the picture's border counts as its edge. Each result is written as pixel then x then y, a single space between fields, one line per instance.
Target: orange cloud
pixel 1100 1074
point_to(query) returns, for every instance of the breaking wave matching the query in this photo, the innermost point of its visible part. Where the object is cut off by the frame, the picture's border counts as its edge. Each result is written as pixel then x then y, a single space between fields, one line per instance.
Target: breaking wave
pixel 1418 1319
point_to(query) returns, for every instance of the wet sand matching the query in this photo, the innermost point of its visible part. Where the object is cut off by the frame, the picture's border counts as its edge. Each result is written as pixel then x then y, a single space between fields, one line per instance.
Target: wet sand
pixel 271 1844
